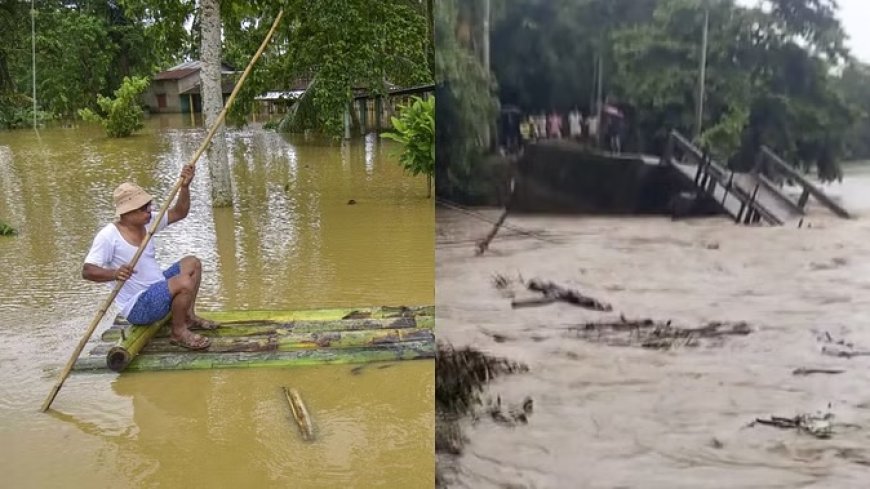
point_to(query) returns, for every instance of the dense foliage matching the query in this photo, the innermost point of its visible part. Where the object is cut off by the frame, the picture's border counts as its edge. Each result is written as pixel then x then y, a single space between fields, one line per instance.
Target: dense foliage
pixel 122 115
pixel 463 88
pixel 777 74
pixel 83 48
pixel 340 46
pixel 415 129
pixel 86 48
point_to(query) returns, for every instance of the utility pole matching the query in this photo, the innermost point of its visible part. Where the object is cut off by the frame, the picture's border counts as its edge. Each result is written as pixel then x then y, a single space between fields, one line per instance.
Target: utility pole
pixel 491 129
pixel 486 16
pixel 600 95
pixel 594 83
pixel 703 73
pixel 33 54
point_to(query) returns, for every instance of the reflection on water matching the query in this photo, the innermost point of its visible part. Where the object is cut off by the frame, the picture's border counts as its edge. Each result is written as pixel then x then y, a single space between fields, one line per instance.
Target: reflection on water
pixel 290 241
pixel 610 417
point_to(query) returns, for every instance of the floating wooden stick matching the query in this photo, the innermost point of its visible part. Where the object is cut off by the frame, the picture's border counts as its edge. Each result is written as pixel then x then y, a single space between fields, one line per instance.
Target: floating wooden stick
pixel 483 244
pixel 557 292
pixel 300 413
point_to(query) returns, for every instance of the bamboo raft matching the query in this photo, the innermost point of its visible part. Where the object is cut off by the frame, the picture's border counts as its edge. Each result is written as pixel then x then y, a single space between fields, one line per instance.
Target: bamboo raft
pixel 271 339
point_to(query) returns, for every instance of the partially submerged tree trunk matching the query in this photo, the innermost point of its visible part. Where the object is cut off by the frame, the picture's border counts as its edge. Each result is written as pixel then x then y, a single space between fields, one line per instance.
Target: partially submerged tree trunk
pixel 212 102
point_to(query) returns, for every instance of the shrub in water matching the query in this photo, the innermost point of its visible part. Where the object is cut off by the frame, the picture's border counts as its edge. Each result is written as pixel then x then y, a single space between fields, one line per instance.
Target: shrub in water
pixel 415 129
pixel 121 115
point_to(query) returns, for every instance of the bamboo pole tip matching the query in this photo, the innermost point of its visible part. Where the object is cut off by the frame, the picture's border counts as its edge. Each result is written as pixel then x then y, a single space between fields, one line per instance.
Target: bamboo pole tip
pixel 118 358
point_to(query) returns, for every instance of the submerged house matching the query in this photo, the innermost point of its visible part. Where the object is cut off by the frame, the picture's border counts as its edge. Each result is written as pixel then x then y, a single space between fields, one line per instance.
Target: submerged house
pixel 178 88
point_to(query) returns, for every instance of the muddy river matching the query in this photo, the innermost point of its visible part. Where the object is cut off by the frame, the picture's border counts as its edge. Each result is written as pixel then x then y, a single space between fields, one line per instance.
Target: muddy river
pixel 289 242
pixel 624 416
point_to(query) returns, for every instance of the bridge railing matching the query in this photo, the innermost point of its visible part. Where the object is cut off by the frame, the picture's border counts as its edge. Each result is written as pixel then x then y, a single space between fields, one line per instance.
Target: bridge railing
pixel 770 163
pixel 710 173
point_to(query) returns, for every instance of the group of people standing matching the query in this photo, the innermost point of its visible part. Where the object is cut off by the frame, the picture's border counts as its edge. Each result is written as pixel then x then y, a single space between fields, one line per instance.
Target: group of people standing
pixel 573 125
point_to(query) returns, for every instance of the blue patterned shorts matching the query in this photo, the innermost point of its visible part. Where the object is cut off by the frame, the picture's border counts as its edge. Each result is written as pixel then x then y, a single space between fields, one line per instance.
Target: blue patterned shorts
pixel 154 304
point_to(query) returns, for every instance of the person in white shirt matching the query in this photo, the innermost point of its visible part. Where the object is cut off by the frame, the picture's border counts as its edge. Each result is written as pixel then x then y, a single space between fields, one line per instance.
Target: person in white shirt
pixel 575 127
pixel 149 293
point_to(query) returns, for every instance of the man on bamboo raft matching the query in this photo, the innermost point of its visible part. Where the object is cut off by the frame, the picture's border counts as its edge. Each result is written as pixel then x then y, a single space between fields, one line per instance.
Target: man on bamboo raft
pixel 149 293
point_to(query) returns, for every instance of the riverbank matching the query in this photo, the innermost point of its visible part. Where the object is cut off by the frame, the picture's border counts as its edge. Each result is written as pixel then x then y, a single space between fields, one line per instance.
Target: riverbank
pixel 616 414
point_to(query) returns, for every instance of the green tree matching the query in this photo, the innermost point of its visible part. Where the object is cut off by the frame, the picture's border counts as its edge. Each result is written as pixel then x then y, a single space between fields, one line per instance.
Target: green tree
pixel 345 45
pixel 769 71
pixel 466 104
pixel 122 115
pixel 854 85
pixel 415 129
pixel 83 48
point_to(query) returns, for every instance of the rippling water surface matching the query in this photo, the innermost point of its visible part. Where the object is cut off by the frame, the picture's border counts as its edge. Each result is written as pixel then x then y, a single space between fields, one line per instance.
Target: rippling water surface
pixel 289 242
pixel 608 417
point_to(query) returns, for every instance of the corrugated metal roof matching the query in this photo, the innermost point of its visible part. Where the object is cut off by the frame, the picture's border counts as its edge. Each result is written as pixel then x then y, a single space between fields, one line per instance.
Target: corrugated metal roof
pixel 175 74
pixel 187 68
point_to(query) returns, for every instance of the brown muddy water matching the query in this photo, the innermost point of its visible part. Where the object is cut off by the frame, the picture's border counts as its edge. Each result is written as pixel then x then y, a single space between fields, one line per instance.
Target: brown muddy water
pixel 290 242
pixel 629 417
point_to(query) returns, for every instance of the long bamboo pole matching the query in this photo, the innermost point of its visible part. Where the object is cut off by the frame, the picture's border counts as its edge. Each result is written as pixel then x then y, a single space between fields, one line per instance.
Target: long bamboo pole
pixel 163 209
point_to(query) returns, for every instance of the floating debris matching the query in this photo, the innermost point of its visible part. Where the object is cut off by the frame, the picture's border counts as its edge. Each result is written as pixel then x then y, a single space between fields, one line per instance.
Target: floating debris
pixel 553 293
pixel 842 353
pixel 831 265
pixel 300 413
pixel 810 371
pixel 658 335
pixel 460 377
pixel 500 282
pixel 818 425
pixel 841 348
pixel 483 244
pixel 461 374
pixel 510 415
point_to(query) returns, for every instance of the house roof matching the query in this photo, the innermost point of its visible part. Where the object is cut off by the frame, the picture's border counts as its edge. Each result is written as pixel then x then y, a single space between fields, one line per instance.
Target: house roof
pixel 187 68
pixel 227 85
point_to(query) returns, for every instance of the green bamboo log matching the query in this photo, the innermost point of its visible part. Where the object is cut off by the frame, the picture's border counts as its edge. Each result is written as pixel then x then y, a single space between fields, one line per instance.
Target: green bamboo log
pixel 207 360
pixel 257 328
pixel 351 339
pixel 120 355
pixel 288 340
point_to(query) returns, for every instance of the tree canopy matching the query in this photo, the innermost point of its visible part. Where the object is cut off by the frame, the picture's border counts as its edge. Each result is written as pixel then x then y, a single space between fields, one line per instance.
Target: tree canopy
pixel 778 73
pixel 86 48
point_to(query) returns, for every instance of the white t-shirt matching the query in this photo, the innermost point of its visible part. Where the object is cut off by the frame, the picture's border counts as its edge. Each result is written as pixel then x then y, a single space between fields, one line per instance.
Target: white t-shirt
pixel 574 124
pixel 111 250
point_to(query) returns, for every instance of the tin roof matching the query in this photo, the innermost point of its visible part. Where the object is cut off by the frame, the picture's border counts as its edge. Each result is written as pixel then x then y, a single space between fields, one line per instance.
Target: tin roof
pixel 187 68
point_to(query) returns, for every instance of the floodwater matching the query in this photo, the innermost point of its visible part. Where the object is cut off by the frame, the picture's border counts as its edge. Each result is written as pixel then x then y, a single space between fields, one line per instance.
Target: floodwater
pixel 291 241
pixel 627 417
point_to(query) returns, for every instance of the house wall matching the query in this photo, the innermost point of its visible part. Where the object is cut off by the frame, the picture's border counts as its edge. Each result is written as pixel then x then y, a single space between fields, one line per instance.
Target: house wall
pixel 188 82
pixel 165 87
